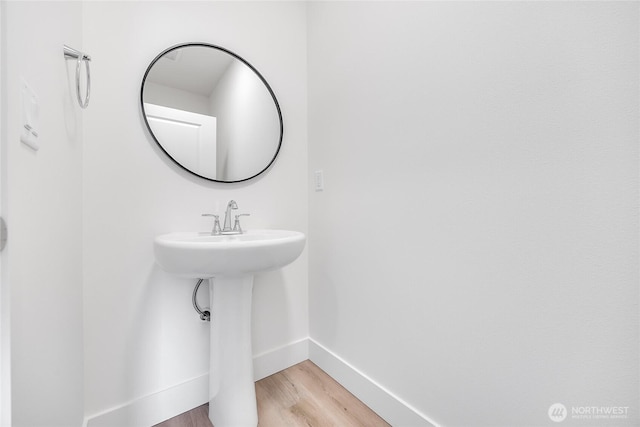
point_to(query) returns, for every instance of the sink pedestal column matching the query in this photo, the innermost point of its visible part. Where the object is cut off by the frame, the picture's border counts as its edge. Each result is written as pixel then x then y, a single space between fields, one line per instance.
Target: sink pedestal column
pixel 232 392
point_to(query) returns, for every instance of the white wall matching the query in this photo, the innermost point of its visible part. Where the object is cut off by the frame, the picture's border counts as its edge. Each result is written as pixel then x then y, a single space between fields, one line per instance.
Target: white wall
pixel 5 295
pixel 475 250
pixel 43 196
pixel 141 332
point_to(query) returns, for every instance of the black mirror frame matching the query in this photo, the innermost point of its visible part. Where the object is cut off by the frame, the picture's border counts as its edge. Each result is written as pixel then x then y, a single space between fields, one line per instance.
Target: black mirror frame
pixel 144 115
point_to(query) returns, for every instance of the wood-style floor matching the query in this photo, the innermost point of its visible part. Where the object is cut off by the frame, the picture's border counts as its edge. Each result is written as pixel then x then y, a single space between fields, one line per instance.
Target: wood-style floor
pixel 302 395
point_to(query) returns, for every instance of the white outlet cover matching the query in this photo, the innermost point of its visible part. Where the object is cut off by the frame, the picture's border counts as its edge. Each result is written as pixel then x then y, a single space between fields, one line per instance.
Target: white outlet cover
pixel 318 180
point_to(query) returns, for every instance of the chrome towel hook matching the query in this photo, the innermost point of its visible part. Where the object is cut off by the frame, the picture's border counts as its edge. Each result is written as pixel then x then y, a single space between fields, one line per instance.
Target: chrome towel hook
pixel 71 53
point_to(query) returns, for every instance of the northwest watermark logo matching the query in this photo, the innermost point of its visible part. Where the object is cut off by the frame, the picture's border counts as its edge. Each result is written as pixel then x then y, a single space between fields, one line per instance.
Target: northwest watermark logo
pixel 558 412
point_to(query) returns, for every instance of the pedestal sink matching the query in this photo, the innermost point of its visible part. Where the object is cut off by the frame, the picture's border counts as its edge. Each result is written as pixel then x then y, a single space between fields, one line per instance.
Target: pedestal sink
pixel 229 262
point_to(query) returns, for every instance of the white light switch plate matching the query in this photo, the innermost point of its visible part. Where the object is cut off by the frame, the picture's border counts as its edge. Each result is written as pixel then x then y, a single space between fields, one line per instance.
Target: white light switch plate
pixel 30 117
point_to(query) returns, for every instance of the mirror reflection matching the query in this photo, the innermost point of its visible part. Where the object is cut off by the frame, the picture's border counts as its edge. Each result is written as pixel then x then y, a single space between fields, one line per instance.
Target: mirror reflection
pixel 211 112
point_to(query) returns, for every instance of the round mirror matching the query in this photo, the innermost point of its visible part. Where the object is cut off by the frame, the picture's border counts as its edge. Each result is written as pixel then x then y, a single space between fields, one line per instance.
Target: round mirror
pixel 211 112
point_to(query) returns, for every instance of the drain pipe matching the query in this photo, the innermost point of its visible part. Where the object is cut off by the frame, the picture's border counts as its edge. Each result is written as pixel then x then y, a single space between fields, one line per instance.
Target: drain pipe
pixel 204 315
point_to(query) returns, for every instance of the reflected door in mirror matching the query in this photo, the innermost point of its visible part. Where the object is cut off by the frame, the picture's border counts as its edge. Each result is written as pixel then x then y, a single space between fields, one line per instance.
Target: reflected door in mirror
pixel 189 138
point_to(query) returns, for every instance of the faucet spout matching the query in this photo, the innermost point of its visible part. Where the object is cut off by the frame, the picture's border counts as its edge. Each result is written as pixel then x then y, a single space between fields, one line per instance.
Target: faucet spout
pixel 227 216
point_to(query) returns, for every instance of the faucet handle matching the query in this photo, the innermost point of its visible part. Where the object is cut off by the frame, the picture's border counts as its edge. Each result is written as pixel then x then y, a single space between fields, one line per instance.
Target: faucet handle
pixel 216 224
pixel 236 225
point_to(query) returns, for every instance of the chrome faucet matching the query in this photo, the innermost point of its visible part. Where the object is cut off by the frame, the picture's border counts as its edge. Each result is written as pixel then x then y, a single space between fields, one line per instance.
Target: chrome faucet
pixel 227 229
pixel 227 216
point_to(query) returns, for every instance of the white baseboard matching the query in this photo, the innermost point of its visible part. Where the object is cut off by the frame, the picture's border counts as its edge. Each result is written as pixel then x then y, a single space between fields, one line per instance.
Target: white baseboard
pixel 157 407
pixel 272 361
pixel 390 407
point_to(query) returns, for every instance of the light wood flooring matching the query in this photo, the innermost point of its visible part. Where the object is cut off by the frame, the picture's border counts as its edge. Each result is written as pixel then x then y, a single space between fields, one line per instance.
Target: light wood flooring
pixel 302 395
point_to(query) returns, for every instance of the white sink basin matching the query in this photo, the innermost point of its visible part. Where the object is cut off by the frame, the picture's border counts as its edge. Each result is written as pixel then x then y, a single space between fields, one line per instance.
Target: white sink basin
pixel 201 255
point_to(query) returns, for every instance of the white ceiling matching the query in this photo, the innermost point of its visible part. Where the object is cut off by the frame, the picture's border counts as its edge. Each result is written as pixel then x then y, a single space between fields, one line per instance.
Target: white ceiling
pixel 195 69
